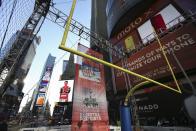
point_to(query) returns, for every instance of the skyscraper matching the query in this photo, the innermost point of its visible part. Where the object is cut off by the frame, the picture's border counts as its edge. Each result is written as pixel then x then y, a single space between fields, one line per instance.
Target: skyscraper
pixel 13 94
pixel 39 96
pixel 69 69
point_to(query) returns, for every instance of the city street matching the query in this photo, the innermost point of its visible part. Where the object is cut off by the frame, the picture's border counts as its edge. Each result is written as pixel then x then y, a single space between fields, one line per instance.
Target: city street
pixel 97 65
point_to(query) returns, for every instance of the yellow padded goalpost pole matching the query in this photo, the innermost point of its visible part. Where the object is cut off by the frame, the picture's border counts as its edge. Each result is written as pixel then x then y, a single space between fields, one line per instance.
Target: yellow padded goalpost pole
pixel 132 90
pixel 63 47
pixel 115 67
pixel 68 23
pixel 166 59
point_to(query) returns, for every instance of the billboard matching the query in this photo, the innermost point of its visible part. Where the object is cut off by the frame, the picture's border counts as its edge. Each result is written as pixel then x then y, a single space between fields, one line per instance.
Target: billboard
pixel 89 103
pixel 136 22
pixel 66 90
pixel 45 79
pixel 150 62
pixel 40 99
pixel 47 74
pixel 157 103
pixel 42 88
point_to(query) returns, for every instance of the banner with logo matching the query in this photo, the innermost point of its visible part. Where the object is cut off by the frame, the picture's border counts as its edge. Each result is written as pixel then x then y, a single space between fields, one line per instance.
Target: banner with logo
pixel 89 101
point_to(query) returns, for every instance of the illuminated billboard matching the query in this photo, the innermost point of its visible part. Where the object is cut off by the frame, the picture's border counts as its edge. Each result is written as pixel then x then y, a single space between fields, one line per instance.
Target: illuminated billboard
pixel 45 80
pixel 150 62
pixel 66 90
pixel 47 74
pixel 40 99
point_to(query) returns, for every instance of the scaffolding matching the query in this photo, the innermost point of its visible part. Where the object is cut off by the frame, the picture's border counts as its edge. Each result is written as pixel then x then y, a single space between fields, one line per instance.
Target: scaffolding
pixel 10 61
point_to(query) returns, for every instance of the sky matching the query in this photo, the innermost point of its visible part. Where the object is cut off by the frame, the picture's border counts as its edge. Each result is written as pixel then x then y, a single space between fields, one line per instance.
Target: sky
pixel 51 35
pixel 21 12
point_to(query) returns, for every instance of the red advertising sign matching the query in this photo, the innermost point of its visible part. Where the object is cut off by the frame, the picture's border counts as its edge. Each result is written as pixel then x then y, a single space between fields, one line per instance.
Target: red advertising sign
pixel 150 62
pixel 89 102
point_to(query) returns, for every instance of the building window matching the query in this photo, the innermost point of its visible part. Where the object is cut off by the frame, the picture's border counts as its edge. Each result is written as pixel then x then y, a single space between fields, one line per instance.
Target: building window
pixel 169 15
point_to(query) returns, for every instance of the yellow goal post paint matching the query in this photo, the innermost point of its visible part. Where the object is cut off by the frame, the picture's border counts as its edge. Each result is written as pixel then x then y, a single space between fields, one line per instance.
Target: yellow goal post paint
pixel 63 47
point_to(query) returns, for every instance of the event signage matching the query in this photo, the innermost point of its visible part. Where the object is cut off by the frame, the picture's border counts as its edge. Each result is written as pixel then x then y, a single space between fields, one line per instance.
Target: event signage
pixel 89 102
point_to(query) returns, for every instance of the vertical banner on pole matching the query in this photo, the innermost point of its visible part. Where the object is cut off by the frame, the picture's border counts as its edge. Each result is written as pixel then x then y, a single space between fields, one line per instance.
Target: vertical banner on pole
pixel 89 101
